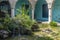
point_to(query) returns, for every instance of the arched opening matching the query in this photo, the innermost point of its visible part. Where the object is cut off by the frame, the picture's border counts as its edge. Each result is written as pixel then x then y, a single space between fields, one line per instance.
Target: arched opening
pixel 5 8
pixel 56 11
pixel 27 5
pixel 41 11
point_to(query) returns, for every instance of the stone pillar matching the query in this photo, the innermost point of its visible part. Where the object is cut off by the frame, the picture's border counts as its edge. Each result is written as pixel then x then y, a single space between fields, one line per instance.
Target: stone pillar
pixel 12 12
pixel 50 2
pixel 32 13
pixel 50 12
pixel 50 15
pixel 33 3
pixel 12 3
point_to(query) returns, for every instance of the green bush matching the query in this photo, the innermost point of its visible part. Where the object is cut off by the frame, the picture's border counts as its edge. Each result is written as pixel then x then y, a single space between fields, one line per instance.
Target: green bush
pixel 8 24
pixel 35 27
pixel 21 22
pixel 24 19
pixel 1 26
pixel 4 23
pixel 53 24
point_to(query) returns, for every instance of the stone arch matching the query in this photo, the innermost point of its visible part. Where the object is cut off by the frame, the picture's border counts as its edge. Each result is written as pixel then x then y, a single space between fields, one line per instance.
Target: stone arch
pixel 39 8
pixel 19 5
pixel 5 8
pixel 56 11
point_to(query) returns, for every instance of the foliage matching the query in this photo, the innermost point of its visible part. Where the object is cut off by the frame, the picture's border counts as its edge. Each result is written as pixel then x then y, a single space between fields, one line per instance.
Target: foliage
pixel 23 10
pixel 1 26
pixel 53 24
pixel 3 22
pixel 31 38
pixel 22 23
pixel 8 23
pixel 45 38
pixel 24 19
pixel 44 25
pixel 35 27
pixel 24 31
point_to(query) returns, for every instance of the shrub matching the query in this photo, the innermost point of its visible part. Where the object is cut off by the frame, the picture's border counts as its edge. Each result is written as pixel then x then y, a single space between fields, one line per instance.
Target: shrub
pixel 22 23
pixel 9 24
pixel 24 31
pixel 53 24
pixel 24 19
pixel 35 27
pixel 1 26
pixel 4 22
pixel 26 23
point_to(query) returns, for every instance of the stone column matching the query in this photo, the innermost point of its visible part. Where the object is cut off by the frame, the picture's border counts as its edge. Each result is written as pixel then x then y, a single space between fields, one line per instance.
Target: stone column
pixel 12 3
pixel 50 12
pixel 50 2
pixel 32 13
pixel 33 3
pixel 12 12
pixel 50 15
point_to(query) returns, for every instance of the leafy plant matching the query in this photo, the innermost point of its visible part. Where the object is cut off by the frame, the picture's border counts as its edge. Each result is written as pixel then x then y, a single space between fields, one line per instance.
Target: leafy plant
pixel 35 27
pixel 24 19
pixel 22 22
pixel 53 24
pixel 1 26
pixel 4 22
